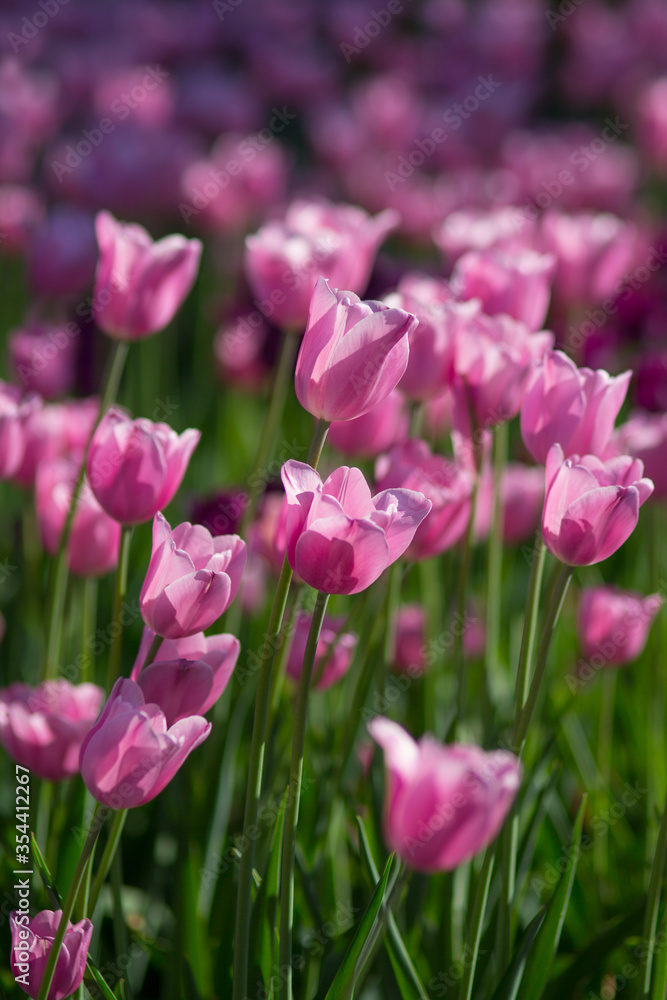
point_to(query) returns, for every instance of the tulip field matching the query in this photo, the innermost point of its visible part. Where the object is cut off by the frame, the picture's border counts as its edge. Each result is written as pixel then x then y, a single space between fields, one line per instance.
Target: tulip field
pixel 333 469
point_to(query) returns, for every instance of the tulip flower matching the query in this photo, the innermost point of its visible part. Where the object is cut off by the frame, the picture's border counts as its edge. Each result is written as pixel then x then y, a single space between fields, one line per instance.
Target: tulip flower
pixel 494 362
pixel 333 655
pixel 54 430
pixel 443 804
pixel 515 283
pixel 187 676
pixel 192 578
pixel 131 753
pixel 140 284
pixel 614 623
pixel 43 357
pixel 42 728
pixel 339 538
pixel 32 939
pixel 94 540
pixel 375 431
pixel 283 260
pixel 644 436
pixel 573 407
pixel 13 414
pixel 135 466
pixel 352 355
pixel 447 485
pixel 591 507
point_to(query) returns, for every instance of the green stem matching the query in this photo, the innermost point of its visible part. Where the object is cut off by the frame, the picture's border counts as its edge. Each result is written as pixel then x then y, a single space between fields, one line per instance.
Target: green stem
pixel 653 903
pixel 292 813
pixel 152 651
pixel 493 601
pixel 256 761
pixel 59 568
pixel 68 906
pixel 476 924
pixel 557 598
pixel 529 628
pixel 107 857
pixel 459 657
pixel 88 618
pixel 273 418
pixel 602 798
pixel 118 599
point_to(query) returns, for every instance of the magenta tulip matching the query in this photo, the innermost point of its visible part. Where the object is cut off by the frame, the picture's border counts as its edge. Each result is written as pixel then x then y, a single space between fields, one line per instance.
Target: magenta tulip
pixel 55 430
pixel 94 540
pixel 43 357
pixel 284 259
pixel 591 507
pixel 614 624
pixel 192 578
pixel 188 675
pixel 447 485
pixel 644 436
pixel 13 415
pixel 573 407
pixel 32 940
pixel 333 656
pixel 494 362
pixel 140 284
pixel 136 466
pixel 352 356
pixel 375 431
pixel 339 538
pixel 131 753
pixel 443 804
pixel 42 728
pixel 522 490
pixel 515 283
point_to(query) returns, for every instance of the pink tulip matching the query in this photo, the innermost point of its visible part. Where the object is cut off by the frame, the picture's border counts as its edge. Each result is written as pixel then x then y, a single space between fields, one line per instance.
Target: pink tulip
pixel 494 362
pixel 522 490
pixel 410 651
pixel 339 538
pixel 446 484
pixel 352 356
pixel 284 259
pixel 21 211
pixel 42 728
pixel 333 656
pixel 140 284
pixel 573 407
pixel 136 466
pixel 14 412
pixel 187 676
pixel 591 507
pixel 504 228
pixel 615 623
pixel 375 431
pixel 131 753
pixel 192 578
pixel 92 548
pixel 32 940
pixel 644 436
pixel 514 283
pixel 443 804
pixel 43 357
pixel 61 253
pixel 442 321
pixel 54 430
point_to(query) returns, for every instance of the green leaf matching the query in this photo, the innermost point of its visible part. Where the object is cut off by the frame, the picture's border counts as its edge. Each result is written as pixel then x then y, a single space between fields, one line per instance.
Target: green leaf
pixel 407 978
pixel 266 906
pixel 508 987
pixel 343 985
pixel 93 973
pixel 543 952
pixel 45 874
pixel 660 970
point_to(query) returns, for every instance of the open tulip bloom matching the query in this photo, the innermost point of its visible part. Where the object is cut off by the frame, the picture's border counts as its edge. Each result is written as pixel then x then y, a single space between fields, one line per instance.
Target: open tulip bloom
pixel 340 539
pixel 591 507
pixel 353 354
pixel 443 804
pixel 31 944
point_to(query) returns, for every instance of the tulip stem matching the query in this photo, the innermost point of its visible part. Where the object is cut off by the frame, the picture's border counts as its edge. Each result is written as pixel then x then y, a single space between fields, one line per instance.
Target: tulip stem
pixel 292 813
pixel 459 657
pixel 495 552
pixel 476 924
pixel 107 857
pixel 557 598
pixel 88 618
pixel 653 903
pixel 68 906
pixel 152 652
pixel 257 748
pixel 59 569
pixel 118 600
pixel 529 627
